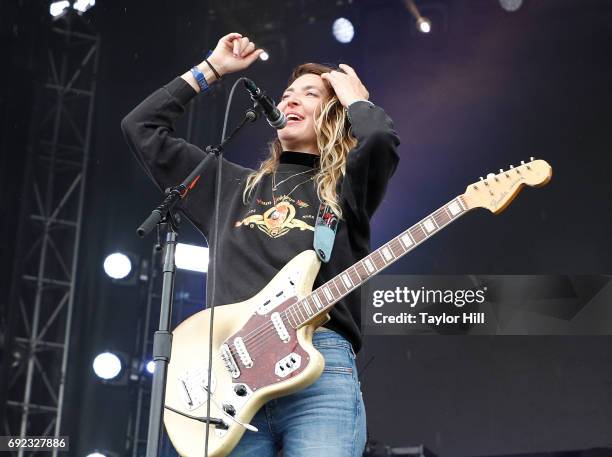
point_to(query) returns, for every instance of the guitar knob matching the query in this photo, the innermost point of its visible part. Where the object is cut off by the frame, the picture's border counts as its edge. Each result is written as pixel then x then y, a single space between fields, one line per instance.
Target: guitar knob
pixel 240 390
pixel 229 409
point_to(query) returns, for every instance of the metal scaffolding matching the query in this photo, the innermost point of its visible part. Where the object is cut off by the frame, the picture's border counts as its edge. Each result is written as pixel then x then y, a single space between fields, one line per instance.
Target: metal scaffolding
pixel 44 291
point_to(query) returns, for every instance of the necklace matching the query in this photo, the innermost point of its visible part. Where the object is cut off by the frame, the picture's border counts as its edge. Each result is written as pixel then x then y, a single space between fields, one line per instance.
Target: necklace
pixel 275 184
pixel 276 214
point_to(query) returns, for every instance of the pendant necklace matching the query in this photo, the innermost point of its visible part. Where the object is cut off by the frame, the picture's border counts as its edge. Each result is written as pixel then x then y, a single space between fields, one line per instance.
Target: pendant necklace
pixel 275 184
pixel 275 214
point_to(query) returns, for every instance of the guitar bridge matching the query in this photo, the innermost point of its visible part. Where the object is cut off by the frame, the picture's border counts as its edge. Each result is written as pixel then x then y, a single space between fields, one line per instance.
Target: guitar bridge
pixel 230 363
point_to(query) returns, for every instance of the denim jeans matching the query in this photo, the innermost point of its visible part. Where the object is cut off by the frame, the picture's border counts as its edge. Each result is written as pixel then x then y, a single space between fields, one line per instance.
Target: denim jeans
pixel 327 419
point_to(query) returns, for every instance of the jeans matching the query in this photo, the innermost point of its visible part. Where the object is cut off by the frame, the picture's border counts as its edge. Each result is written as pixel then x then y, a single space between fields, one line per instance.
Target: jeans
pixel 327 419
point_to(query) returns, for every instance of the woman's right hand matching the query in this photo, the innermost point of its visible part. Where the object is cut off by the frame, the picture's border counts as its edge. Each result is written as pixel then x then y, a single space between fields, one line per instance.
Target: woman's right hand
pixel 233 53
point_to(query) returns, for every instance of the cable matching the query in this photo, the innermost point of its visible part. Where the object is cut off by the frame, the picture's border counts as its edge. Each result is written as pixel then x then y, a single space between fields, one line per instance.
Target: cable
pixel 215 227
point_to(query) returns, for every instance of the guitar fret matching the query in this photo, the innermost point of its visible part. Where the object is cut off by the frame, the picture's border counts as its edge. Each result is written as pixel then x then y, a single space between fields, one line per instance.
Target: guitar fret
pixel 380 263
pixel 328 294
pixel 301 313
pixel 354 276
pixel 288 314
pixel 347 281
pixel 304 309
pixel 369 265
pixel 340 293
pixel 317 301
pixel 442 216
pixel 417 234
pixel 361 272
pixel 407 239
pixel 296 316
pixel 430 225
pixel 307 307
pixel 448 214
pixel 387 253
pixel 323 297
pixel 453 208
pixel 397 248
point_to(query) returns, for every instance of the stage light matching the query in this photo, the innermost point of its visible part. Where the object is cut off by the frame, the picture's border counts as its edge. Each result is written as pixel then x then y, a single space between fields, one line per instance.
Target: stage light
pixel 58 8
pixel 264 56
pixel 150 366
pixel 83 5
pixel 343 30
pixel 102 453
pixel 511 5
pixel 190 257
pixel 424 25
pixel 117 265
pixel 107 365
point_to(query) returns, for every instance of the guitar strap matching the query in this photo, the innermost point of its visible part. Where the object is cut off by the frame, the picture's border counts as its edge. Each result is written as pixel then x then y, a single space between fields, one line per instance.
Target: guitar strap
pixel 325 232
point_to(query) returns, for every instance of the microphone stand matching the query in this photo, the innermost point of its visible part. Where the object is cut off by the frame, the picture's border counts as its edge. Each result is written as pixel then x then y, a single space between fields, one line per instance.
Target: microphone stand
pixel 162 340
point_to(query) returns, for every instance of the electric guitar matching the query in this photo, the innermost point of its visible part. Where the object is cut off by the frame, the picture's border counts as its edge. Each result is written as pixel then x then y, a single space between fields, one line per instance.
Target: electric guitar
pixel 262 347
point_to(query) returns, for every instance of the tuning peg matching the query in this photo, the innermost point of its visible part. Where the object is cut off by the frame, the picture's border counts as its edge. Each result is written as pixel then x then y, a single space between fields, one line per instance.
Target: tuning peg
pixel 481 178
pixel 511 167
pixel 531 159
pixel 501 170
pixel 522 162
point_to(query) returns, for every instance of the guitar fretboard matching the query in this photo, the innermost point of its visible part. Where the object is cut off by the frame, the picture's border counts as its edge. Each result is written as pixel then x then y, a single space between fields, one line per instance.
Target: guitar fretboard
pixel 322 299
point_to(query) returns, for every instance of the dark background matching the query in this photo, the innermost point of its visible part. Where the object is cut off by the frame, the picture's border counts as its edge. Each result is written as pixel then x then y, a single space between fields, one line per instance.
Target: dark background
pixel 484 90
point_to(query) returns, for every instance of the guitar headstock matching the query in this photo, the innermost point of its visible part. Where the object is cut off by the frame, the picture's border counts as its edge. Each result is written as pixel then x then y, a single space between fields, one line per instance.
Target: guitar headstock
pixel 496 191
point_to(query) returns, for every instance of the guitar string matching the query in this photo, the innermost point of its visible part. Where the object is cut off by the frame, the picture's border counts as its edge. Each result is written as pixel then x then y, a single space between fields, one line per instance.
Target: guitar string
pixel 261 334
pixel 265 331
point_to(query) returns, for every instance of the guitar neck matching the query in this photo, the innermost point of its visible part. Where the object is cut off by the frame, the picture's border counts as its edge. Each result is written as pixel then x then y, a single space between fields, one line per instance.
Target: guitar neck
pixel 320 301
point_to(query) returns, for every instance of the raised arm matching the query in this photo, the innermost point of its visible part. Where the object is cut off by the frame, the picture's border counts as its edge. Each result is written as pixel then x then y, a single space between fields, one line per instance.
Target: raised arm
pixel 372 163
pixel 149 128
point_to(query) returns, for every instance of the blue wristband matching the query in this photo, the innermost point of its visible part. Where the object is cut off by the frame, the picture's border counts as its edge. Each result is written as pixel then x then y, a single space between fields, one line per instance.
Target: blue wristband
pixel 199 77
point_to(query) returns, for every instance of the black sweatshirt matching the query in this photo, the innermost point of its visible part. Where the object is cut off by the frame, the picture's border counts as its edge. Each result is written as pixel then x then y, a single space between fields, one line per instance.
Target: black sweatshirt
pixel 256 240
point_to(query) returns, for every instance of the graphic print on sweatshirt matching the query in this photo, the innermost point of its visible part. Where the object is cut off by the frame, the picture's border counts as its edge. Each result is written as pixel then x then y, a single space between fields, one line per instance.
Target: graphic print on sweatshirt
pixel 279 217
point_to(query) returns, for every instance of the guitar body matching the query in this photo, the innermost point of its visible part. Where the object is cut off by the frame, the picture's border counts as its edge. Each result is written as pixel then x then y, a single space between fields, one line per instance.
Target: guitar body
pixel 272 364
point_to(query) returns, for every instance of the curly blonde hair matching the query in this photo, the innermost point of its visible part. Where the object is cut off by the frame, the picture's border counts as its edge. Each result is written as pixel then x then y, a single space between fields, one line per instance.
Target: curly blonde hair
pixel 334 141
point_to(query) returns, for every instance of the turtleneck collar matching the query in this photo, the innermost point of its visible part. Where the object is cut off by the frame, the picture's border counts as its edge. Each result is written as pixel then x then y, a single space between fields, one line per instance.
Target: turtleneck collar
pixel 299 158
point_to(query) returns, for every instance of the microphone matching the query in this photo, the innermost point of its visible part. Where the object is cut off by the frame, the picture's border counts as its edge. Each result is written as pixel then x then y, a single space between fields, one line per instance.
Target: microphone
pixel 276 118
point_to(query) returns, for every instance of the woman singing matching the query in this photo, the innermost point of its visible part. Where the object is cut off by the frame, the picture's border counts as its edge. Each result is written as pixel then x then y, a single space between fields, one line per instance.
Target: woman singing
pixel 337 149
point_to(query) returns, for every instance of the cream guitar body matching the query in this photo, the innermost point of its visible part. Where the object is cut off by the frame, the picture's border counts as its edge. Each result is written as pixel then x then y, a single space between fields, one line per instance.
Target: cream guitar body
pixel 262 347
pixel 274 362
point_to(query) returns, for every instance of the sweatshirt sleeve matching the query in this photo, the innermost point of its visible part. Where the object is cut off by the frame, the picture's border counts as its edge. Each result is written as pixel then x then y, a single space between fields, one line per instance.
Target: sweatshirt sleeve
pixel 373 161
pixel 149 132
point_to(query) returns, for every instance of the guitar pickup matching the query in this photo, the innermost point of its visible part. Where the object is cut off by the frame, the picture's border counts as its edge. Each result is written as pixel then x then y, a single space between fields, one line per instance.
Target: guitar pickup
pixel 287 365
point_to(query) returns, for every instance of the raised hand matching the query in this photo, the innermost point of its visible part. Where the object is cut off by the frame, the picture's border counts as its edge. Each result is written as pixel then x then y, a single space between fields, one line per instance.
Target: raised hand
pixel 233 52
pixel 348 86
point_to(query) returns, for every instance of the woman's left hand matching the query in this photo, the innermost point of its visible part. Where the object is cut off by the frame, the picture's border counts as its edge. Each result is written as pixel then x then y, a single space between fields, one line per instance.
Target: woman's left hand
pixel 348 86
